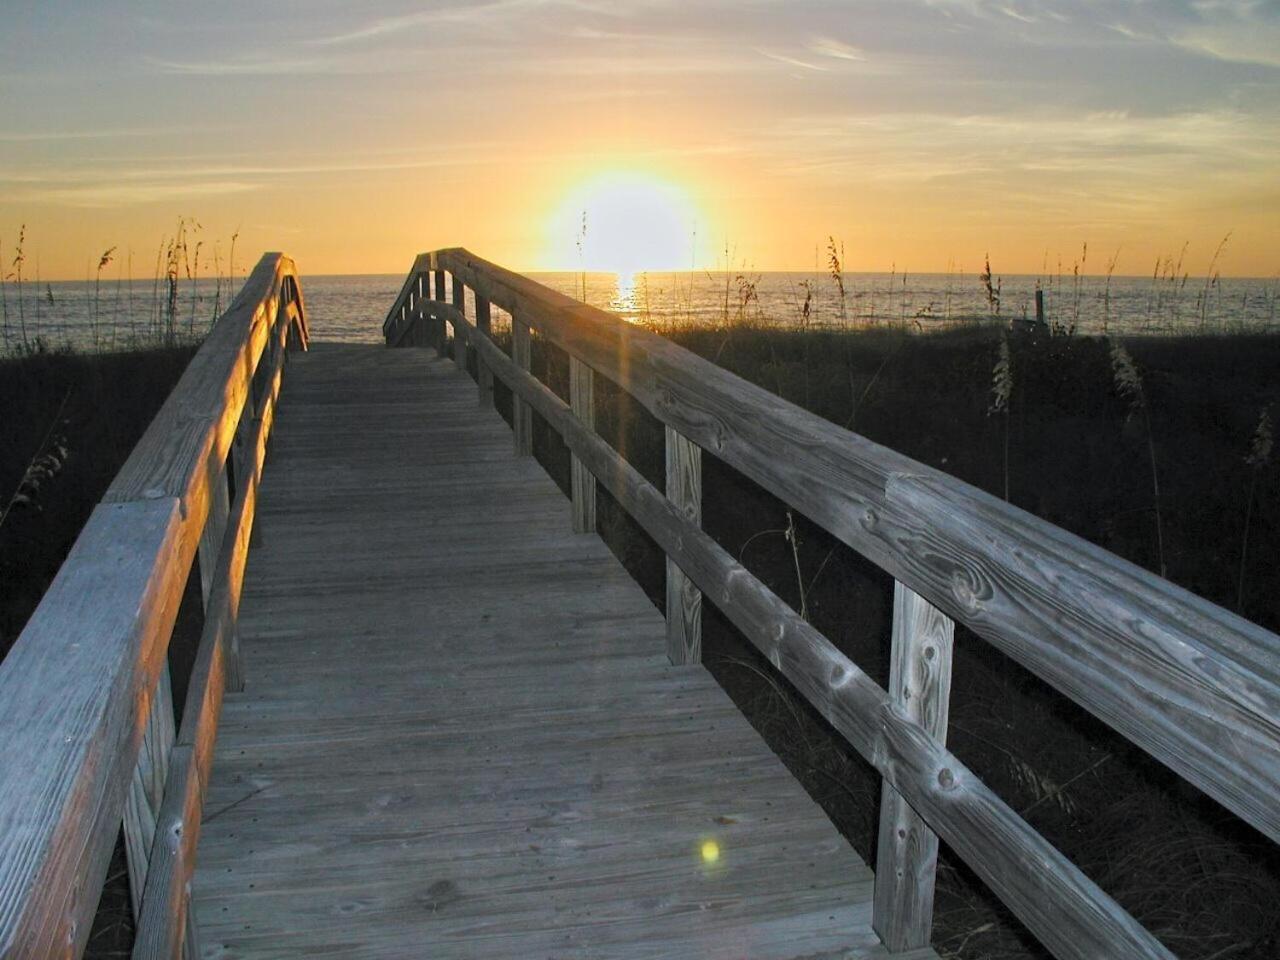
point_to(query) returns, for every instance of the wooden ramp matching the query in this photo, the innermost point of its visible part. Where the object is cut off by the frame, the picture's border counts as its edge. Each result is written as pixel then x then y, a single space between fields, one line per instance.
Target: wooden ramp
pixel 460 736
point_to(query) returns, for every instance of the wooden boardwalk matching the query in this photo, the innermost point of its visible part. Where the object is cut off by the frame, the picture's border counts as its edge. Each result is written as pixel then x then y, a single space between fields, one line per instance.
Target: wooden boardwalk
pixel 460 736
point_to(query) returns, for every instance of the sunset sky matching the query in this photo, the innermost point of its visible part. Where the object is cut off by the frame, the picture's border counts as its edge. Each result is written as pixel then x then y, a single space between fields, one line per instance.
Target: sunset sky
pixel 920 132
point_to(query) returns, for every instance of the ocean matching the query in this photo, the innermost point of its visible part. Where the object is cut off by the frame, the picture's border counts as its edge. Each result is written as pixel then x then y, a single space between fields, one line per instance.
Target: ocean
pixel 116 314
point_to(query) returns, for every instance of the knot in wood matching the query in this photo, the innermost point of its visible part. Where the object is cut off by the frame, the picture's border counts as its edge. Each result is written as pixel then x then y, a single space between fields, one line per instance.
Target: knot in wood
pixel 966 590
pixel 946 779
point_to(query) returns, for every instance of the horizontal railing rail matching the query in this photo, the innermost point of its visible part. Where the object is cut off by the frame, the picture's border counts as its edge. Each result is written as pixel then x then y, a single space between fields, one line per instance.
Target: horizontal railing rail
pixel 86 710
pixel 1193 684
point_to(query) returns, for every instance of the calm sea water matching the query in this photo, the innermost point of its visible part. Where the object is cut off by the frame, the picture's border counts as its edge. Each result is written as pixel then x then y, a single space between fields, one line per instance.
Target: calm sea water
pixel 114 315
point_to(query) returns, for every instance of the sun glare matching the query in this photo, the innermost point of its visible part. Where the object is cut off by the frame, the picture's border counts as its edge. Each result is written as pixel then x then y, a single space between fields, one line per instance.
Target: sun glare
pixel 634 222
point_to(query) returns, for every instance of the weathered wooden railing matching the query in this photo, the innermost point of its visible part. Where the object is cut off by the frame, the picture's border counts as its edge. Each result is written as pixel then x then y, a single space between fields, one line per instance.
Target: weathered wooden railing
pixel 87 733
pixel 1194 685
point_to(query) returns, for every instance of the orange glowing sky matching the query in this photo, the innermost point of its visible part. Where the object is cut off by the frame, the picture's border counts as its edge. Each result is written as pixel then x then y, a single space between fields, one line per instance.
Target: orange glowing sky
pixel 922 133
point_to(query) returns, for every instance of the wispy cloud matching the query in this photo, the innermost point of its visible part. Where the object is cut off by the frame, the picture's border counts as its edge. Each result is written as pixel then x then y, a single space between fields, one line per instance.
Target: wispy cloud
pixel 1238 31
pixel 1123 157
pixel 1131 33
pixel 130 194
pixel 835 49
pixel 791 61
pixel 584 32
pixel 1240 42
pixel 389 26
pixel 122 133
pixel 92 177
pixel 638 64
pixel 1013 13
pixel 455 13
pixel 264 67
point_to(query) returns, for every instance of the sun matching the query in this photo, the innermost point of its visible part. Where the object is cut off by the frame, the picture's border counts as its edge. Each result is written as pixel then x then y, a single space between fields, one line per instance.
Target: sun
pixel 624 222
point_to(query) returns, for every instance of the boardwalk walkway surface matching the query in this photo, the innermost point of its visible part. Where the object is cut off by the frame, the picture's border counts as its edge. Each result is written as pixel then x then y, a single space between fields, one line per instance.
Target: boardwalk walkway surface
pixel 460 736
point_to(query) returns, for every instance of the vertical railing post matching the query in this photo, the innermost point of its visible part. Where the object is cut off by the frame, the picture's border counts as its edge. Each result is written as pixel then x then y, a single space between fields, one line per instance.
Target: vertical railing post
pixel 582 401
pixel 146 790
pixel 438 326
pixel 521 413
pixel 191 942
pixel 484 376
pixel 215 526
pixel 459 333
pixel 241 457
pixel 907 852
pixel 409 336
pixel 684 599
pixel 423 328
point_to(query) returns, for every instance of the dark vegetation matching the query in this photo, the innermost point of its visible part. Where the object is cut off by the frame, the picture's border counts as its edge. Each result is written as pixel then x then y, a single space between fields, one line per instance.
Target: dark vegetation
pixel 1078 456
pixel 98 405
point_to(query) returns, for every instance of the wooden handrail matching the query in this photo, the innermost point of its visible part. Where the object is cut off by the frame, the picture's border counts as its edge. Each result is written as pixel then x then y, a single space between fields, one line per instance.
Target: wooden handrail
pixel 77 689
pixel 1170 670
pixel 1196 686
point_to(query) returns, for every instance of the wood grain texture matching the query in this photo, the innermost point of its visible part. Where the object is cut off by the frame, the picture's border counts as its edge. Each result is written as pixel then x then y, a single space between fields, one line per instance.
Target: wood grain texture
pixel 1049 894
pixel 211 537
pixel 1193 684
pixel 684 599
pixel 240 456
pixel 76 693
pixel 461 738
pixel 907 850
pixel 146 789
pixel 161 937
pixel 582 483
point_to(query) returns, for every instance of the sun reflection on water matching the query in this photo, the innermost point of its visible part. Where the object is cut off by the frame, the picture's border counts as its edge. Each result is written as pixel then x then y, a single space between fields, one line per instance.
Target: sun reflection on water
pixel 624 293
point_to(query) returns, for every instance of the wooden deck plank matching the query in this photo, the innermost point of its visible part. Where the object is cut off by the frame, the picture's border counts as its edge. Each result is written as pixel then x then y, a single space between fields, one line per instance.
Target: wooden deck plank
pixel 460 736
